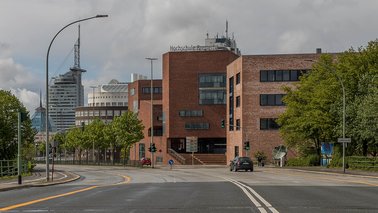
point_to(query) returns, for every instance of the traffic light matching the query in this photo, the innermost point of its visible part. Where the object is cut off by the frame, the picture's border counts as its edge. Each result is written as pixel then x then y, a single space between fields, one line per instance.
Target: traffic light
pixel 222 123
pixel 246 145
pixel 24 116
pixel 153 148
pixel 149 149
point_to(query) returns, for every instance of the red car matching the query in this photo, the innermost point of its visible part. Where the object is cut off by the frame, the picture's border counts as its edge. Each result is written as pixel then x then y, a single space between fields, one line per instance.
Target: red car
pixel 145 161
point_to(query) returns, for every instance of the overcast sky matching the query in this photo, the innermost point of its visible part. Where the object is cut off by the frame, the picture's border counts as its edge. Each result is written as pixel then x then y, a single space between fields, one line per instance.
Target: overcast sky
pixel 114 47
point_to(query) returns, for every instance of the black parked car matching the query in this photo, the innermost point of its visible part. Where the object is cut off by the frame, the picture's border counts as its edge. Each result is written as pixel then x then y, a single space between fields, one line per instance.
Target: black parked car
pixel 241 163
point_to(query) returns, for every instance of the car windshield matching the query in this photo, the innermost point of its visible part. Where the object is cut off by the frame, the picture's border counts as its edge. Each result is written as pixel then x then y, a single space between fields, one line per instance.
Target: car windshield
pixel 244 159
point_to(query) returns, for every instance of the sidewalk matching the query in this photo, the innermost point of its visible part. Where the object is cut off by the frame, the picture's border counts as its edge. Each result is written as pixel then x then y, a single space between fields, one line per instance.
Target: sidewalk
pixel 38 179
pixel 333 170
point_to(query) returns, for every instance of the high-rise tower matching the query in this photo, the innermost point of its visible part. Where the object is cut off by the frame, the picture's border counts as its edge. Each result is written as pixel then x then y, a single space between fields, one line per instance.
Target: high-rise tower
pixel 66 93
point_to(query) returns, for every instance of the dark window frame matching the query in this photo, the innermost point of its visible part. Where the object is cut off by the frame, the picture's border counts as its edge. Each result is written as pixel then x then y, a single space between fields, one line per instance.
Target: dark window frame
pixel 268 124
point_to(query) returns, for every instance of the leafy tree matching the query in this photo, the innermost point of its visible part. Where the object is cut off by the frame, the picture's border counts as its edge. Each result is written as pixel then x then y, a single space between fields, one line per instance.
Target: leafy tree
pixel 128 130
pixel 308 119
pixel 75 138
pixel 110 138
pixel 96 134
pixel 314 105
pixel 9 106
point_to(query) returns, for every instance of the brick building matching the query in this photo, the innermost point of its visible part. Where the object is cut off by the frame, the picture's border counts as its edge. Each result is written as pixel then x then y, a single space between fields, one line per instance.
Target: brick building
pixel 140 102
pixel 254 100
pixel 194 101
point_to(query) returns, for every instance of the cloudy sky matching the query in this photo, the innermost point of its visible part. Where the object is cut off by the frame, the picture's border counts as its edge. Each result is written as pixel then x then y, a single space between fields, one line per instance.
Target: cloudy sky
pixel 114 47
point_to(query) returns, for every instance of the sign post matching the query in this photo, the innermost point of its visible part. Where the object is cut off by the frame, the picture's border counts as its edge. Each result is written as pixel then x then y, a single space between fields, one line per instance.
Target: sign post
pixel 344 141
pixel 192 146
pixel 171 162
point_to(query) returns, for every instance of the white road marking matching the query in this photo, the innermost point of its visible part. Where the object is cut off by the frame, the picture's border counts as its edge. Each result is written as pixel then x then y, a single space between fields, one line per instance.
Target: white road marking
pixel 244 188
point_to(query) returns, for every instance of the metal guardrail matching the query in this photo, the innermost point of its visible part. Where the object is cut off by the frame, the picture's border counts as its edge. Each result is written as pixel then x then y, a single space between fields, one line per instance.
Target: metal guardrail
pixel 361 162
pixel 176 155
pixel 9 168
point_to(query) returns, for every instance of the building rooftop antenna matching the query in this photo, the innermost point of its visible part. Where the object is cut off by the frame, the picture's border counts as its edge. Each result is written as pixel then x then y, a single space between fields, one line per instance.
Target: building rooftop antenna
pixel 77 52
pixel 226 28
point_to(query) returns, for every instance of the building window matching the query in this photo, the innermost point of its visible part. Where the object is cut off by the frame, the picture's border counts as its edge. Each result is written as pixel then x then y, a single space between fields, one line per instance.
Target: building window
pixel 212 88
pixel 157 90
pixel 281 75
pixel 238 78
pixel 191 113
pixel 194 126
pixel 268 124
pixel 238 101
pixel 158 131
pixel 237 124
pixel 271 100
pixel 142 150
pixel 231 100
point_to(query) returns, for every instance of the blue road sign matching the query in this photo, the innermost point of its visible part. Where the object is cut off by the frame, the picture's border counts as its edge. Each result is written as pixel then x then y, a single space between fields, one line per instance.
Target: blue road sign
pixel 170 162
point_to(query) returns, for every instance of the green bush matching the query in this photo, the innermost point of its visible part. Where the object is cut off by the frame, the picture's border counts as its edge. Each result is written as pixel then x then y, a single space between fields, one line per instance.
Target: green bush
pixel 310 160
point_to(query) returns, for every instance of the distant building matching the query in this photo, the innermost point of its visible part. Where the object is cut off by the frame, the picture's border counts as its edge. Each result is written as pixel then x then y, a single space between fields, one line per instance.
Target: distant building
pixel 106 101
pixel 112 94
pixel 39 123
pixel 66 93
pixel 135 77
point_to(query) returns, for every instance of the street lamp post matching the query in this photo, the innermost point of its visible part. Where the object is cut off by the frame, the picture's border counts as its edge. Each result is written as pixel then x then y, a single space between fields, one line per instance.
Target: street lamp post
pixel 152 111
pixel 47 87
pixel 93 109
pixel 343 88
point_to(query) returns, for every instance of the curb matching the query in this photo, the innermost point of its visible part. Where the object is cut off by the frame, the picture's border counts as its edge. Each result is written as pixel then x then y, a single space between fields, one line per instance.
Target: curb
pixel 74 178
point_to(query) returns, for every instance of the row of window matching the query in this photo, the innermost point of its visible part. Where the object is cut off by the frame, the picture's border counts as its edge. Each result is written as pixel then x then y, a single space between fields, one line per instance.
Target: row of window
pixel 271 100
pixel 266 100
pixel 99 113
pixel 103 97
pixel 191 113
pixel 194 126
pixel 280 75
pixel 212 88
pixel 147 90
pixel 109 104
pixel 265 124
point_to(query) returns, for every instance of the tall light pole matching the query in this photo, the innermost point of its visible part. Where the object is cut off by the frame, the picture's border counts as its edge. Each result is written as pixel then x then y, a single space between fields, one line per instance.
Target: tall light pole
pixel 343 88
pixel 152 111
pixel 47 88
pixel 93 109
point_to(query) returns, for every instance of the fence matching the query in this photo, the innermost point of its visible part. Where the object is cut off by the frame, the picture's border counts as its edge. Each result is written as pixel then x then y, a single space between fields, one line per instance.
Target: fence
pixel 121 162
pixel 9 167
pixel 361 162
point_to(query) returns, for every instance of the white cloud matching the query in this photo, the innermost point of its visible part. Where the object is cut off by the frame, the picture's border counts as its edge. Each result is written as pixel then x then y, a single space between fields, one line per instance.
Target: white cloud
pixel 292 42
pixel 116 46
pixel 29 99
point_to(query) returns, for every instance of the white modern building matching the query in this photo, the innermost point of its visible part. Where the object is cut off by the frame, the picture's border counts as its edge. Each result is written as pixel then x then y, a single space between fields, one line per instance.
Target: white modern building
pixel 105 102
pixel 112 94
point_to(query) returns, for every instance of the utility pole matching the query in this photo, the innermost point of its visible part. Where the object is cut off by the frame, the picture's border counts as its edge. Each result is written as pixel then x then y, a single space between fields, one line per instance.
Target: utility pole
pixel 152 112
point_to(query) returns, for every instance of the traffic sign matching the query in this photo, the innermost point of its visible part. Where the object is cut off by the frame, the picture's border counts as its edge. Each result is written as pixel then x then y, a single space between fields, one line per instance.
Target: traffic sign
pixel 171 162
pixel 344 140
pixel 192 144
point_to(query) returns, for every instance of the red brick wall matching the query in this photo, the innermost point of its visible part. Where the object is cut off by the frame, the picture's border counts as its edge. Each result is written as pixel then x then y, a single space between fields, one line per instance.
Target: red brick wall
pixel 250 111
pixel 180 91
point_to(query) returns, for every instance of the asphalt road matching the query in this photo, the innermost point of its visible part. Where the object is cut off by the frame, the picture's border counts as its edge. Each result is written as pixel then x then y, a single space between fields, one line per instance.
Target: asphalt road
pixel 115 189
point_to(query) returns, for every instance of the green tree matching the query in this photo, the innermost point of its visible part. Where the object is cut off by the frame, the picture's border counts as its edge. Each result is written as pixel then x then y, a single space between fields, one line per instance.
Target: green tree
pixel 128 130
pixel 9 106
pixel 314 105
pixel 96 134
pixel 75 140
pixel 308 119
